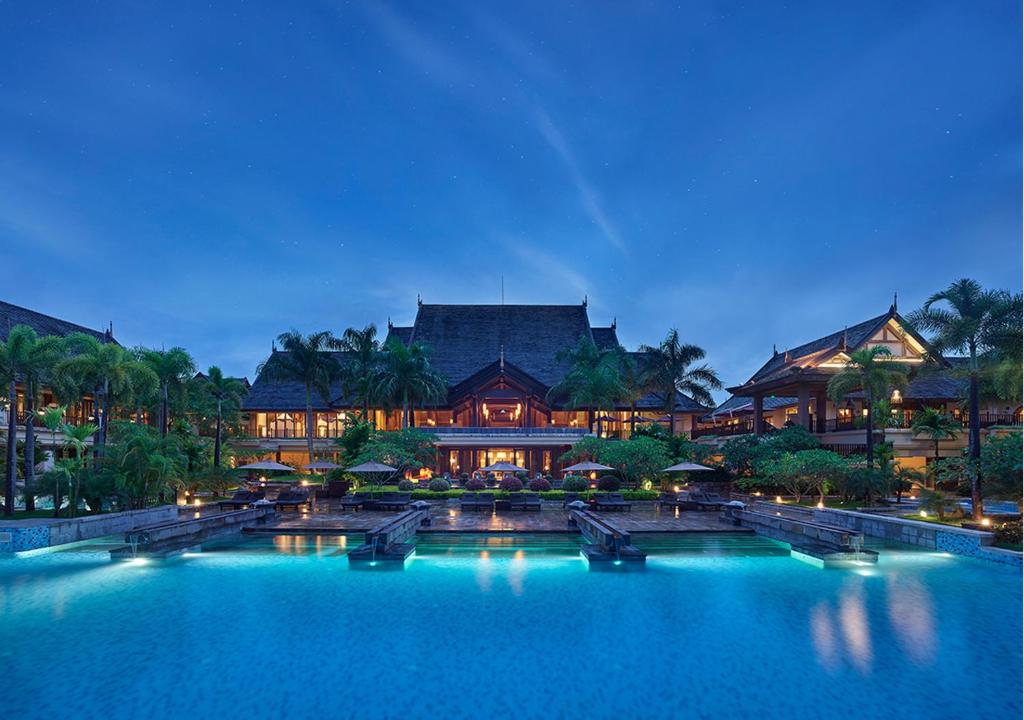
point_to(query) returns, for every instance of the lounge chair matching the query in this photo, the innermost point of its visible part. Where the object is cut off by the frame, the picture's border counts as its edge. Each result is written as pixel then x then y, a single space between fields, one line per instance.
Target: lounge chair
pixel 335 490
pixel 477 501
pixel 355 501
pixel 524 501
pixel 393 501
pixel 611 501
pixel 708 501
pixel 680 500
pixel 291 498
pixel 241 499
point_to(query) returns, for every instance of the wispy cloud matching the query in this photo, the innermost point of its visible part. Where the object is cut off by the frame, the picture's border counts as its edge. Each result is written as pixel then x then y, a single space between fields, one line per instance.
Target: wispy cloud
pixel 546 268
pixel 589 197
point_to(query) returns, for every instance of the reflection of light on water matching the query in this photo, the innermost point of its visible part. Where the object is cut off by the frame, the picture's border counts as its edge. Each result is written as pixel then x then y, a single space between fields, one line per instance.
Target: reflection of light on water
pixel 912 617
pixel 517 572
pixel 853 619
pixel 824 636
pixel 483 571
pixel 342 541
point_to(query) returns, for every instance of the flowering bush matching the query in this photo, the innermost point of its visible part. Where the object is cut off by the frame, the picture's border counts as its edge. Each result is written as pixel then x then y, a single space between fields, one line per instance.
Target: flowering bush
pixel 575 483
pixel 440 485
pixel 511 484
pixel 474 484
pixel 540 485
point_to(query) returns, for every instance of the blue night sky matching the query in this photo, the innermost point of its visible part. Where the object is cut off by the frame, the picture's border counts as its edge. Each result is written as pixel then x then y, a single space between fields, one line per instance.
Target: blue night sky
pixel 211 174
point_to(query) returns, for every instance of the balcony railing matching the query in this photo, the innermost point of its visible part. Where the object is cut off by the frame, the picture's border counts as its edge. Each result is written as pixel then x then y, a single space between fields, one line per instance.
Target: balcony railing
pixel 509 432
pixel 744 427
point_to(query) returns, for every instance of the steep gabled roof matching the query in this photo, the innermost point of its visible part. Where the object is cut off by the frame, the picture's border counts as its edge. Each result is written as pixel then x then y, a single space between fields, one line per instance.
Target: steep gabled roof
pixel 465 338
pixel 11 315
pixel 266 394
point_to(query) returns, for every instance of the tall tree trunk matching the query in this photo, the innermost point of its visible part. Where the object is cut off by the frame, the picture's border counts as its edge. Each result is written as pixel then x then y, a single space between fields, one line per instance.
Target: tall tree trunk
pixel 30 446
pixel 870 438
pixel 309 424
pixel 12 449
pixel 405 411
pixel 975 442
pixel 163 410
pixel 138 414
pixel 56 476
pixel 216 441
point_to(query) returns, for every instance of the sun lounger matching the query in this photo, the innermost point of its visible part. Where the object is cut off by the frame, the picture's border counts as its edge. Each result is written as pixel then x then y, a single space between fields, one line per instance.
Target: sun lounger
pixel 291 498
pixel 477 501
pixel 241 499
pixel 611 501
pixel 706 501
pixel 524 501
pixel 393 501
pixel 355 501
pixel 674 500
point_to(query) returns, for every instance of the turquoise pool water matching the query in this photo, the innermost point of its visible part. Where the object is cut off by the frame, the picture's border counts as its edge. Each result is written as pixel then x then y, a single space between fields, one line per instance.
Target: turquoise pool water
pixel 722 627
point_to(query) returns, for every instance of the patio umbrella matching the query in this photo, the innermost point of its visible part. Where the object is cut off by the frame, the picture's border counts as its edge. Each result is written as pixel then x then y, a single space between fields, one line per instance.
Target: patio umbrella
pixel 321 465
pixel 686 467
pixel 586 467
pixel 375 470
pixel 504 467
pixel 266 465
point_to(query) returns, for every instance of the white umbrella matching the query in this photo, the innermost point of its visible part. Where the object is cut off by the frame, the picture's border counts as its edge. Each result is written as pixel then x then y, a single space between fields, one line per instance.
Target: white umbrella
pixel 266 465
pixel 320 465
pixel 586 467
pixel 686 467
pixel 504 467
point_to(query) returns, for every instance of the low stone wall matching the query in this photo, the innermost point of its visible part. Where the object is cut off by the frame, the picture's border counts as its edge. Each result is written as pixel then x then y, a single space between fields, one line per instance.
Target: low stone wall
pixel 943 538
pixel 22 535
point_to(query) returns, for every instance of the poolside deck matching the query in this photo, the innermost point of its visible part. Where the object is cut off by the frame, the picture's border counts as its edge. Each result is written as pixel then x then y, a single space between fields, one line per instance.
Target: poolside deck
pixel 645 517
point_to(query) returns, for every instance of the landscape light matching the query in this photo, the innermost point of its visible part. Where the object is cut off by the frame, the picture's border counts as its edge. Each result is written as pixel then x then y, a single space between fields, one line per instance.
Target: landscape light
pixel 986 522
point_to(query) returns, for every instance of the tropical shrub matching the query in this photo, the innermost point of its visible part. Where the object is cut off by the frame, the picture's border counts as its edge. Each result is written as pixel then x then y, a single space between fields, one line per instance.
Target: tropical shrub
pixel 1008 533
pixel 511 483
pixel 575 483
pixel 474 484
pixel 440 485
pixel 406 485
pixel 540 485
pixel 609 483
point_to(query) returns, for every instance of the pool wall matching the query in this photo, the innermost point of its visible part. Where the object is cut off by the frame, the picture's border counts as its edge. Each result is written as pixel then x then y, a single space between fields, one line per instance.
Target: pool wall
pixel 22 535
pixel 958 541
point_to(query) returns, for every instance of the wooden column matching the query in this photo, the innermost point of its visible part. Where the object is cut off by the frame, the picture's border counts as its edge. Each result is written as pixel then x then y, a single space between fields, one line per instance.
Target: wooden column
pixel 758 414
pixel 820 410
pixel 803 400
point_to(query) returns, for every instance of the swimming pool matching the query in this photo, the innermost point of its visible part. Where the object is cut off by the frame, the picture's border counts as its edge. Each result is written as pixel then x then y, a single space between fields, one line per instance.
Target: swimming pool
pixel 715 626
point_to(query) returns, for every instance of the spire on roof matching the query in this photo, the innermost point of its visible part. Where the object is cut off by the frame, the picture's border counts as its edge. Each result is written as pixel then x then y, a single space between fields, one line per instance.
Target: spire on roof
pixel 843 343
pixel 787 357
pixel 775 350
pixel 615 323
pixel 584 301
pixel 892 310
pixel 390 324
pixel 419 300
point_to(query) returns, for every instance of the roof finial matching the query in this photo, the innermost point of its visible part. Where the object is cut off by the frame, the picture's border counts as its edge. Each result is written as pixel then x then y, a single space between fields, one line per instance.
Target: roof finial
pixel 501 360
pixel 419 300
pixel 390 324
pixel 893 308
pixel 615 323
pixel 843 343
pixel 775 350
pixel 584 301
pixel 273 346
pixel 786 357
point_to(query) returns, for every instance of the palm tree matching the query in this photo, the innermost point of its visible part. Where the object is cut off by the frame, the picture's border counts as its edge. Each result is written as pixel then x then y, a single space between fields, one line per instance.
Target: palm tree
pixel 223 390
pixel 173 368
pixel 593 380
pixel 76 437
pixel 103 369
pixel 875 377
pixel 143 384
pixel 360 371
pixel 969 320
pixel 637 381
pixel 671 372
pixel 937 425
pixel 306 360
pixel 53 419
pixel 28 358
pixel 405 378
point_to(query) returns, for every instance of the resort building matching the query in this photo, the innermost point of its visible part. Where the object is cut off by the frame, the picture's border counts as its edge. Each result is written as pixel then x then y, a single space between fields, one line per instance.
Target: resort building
pixel 500 361
pixel 77 413
pixel 791 389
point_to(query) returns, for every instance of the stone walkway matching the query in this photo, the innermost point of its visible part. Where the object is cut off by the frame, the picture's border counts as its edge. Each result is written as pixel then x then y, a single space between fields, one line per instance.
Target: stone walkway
pixel 645 517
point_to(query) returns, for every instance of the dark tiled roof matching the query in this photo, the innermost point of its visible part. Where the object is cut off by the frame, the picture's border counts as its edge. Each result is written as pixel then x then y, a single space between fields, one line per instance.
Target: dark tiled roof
pixel 855 335
pixel 605 338
pixel 285 395
pixel 656 401
pixel 402 334
pixel 11 315
pixel 739 403
pixel 465 338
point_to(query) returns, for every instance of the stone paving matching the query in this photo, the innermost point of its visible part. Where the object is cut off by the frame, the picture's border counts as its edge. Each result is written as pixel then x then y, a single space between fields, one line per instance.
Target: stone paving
pixel 645 517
